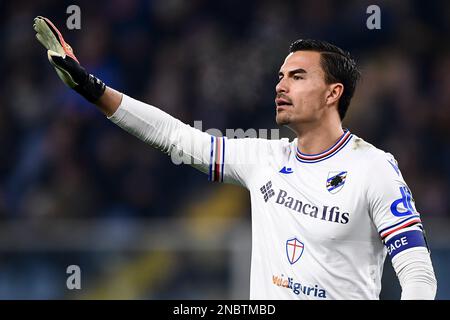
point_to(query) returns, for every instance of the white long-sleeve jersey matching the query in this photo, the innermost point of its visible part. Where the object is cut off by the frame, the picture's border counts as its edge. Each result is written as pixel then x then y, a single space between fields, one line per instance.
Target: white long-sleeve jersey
pixel 322 224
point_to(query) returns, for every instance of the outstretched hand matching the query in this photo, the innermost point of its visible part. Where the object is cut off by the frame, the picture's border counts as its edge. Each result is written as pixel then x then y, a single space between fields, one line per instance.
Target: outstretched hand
pixel 67 66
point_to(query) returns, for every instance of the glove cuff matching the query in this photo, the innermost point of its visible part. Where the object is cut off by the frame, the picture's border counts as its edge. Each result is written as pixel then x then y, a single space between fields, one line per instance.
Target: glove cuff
pixel 91 89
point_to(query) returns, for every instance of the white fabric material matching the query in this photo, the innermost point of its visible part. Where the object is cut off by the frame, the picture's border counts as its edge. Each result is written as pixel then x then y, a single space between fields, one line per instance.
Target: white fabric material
pixel 183 143
pixel 415 273
pixel 337 231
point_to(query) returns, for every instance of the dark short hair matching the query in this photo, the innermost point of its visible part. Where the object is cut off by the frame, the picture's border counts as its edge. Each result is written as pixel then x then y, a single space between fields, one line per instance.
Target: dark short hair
pixel 338 65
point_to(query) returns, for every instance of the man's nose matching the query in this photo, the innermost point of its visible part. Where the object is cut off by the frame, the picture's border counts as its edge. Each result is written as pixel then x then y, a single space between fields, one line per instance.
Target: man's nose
pixel 281 86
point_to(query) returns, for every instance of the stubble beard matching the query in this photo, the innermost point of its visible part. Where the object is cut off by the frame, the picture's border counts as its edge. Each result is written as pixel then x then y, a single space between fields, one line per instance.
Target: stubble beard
pixel 282 118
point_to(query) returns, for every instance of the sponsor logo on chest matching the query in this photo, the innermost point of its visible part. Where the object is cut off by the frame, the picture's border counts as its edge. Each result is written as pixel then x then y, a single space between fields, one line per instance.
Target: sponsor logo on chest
pixel 325 212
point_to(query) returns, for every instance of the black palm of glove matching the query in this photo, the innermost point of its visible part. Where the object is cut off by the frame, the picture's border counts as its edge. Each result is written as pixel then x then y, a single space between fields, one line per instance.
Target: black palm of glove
pixel 61 56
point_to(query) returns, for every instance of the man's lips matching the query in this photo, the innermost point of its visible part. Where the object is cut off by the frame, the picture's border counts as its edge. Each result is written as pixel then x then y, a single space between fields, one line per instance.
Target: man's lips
pixel 282 103
pixel 283 108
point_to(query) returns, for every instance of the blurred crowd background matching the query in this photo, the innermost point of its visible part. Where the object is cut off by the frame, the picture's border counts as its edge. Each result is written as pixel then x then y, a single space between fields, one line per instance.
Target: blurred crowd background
pixel 75 189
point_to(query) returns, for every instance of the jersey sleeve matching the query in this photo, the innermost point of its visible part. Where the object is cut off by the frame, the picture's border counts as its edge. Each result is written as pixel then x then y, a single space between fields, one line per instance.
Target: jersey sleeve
pixel 392 207
pixel 183 143
pixel 224 160
pixel 236 160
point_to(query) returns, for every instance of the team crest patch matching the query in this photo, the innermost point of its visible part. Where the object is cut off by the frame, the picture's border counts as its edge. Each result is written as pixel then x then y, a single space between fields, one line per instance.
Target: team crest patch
pixel 294 250
pixel 336 181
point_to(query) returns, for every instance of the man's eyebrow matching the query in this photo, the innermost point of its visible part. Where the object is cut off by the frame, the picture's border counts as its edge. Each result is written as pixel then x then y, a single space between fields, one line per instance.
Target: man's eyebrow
pixel 290 73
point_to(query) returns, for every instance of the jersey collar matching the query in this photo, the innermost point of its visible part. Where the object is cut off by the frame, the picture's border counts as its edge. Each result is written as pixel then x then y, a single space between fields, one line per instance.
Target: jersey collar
pixel 312 158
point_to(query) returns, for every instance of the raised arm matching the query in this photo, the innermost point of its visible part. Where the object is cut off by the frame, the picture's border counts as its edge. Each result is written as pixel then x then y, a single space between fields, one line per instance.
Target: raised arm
pixel 148 123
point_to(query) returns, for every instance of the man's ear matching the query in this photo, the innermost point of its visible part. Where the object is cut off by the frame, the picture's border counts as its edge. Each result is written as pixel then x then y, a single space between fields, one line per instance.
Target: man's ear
pixel 334 92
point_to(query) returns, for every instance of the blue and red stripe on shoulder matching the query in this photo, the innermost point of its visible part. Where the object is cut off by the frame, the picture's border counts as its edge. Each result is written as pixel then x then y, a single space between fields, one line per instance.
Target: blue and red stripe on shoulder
pixel 217 159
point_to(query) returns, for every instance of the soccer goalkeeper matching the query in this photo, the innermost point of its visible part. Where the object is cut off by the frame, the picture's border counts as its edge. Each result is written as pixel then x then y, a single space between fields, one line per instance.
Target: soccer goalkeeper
pixel 327 207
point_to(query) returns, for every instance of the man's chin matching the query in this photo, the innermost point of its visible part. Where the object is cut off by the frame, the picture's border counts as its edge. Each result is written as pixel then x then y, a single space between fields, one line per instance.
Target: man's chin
pixel 282 119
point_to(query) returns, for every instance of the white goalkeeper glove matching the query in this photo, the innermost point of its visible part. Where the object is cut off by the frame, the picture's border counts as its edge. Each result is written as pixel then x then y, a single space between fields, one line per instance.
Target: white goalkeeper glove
pixel 62 58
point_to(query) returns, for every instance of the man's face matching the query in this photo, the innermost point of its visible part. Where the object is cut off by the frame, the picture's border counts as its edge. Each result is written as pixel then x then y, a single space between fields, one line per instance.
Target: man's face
pixel 301 90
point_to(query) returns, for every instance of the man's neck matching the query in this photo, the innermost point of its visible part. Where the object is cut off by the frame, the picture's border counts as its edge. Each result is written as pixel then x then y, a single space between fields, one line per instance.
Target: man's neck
pixel 319 138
